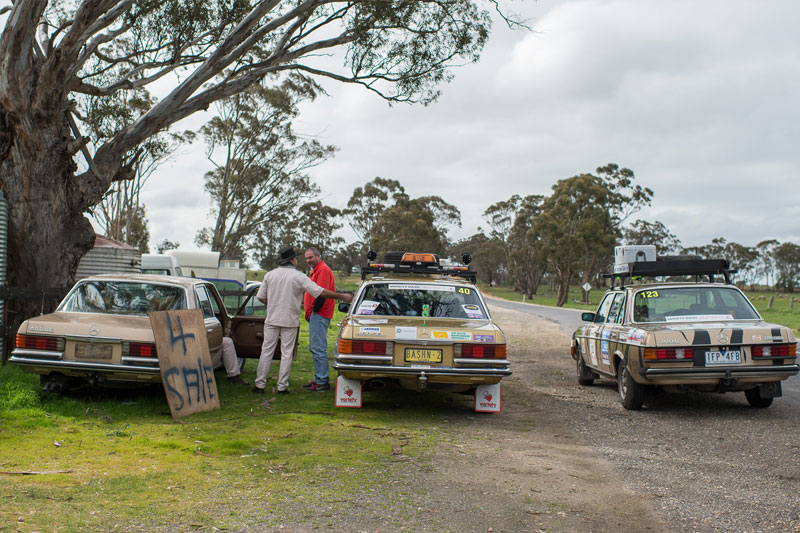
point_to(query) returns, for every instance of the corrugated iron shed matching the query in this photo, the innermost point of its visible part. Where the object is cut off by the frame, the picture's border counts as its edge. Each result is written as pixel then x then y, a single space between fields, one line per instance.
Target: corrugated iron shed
pixel 109 256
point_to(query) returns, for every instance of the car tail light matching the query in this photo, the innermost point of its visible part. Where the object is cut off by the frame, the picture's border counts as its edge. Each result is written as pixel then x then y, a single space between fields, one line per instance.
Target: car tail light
pixel 774 350
pixel 668 354
pixel 479 351
pixel 365 347
pixel 41 342
pixel 139 349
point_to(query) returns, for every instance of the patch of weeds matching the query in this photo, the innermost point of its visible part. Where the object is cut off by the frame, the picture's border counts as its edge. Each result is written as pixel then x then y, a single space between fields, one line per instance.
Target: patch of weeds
pixel 119 433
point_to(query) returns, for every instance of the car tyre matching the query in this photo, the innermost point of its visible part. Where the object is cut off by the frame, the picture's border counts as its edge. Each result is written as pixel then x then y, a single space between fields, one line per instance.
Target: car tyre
pixel 755 399
pixel 631 393
pixel 585 376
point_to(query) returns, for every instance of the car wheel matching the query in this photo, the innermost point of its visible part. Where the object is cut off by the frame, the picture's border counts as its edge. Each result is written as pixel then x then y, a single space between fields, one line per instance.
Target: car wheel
pixel 585 376
pixel 631 393
pixel 755 399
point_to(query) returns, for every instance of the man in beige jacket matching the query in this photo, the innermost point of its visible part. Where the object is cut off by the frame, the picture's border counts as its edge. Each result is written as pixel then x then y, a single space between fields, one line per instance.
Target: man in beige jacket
pixel 282 292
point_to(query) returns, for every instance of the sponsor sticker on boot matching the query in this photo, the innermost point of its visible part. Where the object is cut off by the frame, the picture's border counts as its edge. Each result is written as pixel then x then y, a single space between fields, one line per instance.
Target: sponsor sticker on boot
pixel 488 398
pixel 348 392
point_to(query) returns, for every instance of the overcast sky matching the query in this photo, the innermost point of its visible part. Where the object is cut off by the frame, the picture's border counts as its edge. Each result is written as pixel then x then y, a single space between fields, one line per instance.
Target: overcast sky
pixel 699 99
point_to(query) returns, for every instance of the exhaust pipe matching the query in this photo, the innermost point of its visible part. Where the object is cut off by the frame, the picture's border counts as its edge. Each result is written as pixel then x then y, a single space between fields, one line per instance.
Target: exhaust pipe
pixel 376 384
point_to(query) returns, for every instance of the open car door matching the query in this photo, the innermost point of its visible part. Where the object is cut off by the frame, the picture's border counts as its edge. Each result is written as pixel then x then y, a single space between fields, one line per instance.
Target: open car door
pixel 247 328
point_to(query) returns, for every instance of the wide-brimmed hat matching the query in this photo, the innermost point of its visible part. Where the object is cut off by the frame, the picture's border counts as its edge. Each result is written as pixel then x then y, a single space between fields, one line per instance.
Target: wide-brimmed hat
pixel 287 255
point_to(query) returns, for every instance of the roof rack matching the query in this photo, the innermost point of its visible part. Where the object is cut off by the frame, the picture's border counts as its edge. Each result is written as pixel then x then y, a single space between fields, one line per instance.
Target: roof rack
pixel 674 267
pixel 412 263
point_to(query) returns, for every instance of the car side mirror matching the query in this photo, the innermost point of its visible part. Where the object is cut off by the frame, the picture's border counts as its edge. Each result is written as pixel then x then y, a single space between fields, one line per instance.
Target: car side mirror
pixel 344 307
pixel 587 317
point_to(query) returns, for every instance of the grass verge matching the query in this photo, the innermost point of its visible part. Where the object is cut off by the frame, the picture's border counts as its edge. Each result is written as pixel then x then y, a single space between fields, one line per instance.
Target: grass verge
pixel 783 310
pixel 117 460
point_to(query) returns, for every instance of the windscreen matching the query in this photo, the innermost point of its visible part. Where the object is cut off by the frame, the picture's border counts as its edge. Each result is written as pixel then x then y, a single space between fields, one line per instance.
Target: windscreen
pixel 122 298
pixel 690 304
pixel 419 299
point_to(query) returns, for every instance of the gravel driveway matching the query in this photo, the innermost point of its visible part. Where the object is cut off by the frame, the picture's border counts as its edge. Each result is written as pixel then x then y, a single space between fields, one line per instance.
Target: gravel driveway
pixel 706 462
pixel 561 457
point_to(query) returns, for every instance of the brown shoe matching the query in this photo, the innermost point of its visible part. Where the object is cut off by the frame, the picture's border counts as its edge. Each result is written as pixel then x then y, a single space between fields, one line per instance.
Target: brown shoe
pixel 237 380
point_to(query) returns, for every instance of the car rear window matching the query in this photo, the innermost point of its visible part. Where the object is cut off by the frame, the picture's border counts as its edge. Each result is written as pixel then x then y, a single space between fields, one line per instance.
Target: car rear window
pixel 122 298
pixel 687 304
pixel 419 299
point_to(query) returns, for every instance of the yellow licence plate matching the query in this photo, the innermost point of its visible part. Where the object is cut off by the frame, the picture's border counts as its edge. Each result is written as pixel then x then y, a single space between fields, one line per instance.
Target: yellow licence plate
pixel 87 350
pixel 422 355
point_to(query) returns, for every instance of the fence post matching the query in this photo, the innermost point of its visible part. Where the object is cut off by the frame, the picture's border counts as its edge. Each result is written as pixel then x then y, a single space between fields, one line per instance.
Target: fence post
pixel 771 300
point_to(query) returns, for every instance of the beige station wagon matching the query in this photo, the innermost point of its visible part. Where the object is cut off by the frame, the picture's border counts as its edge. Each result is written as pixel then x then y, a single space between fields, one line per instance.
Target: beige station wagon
pixel 420 325
pixel 703 335
pixel 101 332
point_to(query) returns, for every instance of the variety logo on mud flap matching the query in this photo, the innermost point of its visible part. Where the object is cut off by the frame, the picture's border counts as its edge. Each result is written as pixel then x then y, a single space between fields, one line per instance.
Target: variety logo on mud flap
pixel 348 392
pixel 488 398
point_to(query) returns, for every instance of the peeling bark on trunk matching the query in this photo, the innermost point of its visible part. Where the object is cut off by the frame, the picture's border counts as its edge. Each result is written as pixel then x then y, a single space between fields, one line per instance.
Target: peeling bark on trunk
pixel 47 233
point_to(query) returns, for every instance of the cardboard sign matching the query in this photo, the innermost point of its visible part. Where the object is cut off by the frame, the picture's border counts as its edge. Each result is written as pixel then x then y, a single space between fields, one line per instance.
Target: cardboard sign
pixel 489 398
pixel 185 361
pixel 348 392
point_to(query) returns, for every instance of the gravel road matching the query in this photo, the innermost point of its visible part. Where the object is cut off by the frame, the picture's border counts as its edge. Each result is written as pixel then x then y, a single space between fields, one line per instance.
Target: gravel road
pixel 706 462
pixel 566 458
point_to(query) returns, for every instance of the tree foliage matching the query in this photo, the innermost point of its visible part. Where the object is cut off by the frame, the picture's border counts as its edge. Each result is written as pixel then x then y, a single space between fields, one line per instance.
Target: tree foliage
pixel 368 202
pixel 167 244
pixel 54 52
pixel 580 222
pixel 260 175
pixel 488 256
pixel 787 265
pixel 316 226
pixel 419 224
pixel 652 233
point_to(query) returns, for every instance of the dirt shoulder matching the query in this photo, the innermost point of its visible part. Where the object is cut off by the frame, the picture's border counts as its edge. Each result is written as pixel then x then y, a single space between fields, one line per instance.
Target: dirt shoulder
pixel 526 470
pixel 521 470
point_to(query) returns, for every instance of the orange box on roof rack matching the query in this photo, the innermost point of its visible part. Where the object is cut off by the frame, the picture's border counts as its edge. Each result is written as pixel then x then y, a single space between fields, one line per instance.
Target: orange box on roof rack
pixel 419 258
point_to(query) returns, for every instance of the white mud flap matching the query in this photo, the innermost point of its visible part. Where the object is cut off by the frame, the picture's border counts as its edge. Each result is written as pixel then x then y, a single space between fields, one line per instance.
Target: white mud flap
pixel 348 392
pixel 489 398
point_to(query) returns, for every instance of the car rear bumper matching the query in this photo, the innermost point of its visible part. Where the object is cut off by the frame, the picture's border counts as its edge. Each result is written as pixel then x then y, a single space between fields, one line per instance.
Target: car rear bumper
pixel 422 370
pixel 705 373
pixel 53 360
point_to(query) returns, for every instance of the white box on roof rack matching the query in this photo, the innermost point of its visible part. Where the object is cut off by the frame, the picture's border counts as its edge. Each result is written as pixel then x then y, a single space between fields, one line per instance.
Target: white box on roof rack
pixel 634 253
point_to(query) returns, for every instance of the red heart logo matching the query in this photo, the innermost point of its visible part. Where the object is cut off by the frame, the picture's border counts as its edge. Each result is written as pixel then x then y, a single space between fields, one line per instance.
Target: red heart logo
pixel 348 391
pixel 488 397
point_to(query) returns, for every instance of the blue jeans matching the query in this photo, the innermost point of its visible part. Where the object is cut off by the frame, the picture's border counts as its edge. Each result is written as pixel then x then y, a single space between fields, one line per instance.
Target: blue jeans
pixel 318 344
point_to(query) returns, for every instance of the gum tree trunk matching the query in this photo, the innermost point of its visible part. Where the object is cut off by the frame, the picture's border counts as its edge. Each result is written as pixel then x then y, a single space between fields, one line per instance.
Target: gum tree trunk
pixel 47 232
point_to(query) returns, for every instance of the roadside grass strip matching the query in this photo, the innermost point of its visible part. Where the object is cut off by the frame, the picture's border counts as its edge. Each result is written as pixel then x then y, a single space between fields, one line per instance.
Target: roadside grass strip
pixel 115 459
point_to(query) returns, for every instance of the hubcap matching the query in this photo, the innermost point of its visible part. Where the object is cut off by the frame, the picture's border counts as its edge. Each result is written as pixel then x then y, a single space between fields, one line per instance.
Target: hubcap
pixel 623 388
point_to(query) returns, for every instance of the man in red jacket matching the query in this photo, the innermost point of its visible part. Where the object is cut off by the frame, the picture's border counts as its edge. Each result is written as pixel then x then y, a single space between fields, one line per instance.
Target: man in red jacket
pixel 319 312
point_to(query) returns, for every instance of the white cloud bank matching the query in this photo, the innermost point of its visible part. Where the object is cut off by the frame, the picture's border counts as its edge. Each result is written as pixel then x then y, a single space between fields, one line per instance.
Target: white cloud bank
pixel 698 98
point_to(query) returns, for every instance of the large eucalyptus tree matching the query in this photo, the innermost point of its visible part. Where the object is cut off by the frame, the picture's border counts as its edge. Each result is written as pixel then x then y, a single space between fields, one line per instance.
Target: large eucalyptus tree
pixel 54 52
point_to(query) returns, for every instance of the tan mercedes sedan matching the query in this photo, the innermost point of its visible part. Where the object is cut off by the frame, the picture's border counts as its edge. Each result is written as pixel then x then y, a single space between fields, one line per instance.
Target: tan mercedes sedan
pixel 101 332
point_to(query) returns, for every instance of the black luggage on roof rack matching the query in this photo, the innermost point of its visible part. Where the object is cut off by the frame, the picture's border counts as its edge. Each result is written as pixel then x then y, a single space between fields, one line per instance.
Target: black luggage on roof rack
pixel 672 267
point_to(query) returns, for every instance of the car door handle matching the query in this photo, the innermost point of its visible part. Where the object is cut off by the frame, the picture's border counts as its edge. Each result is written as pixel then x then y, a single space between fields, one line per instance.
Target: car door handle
pixel 209 329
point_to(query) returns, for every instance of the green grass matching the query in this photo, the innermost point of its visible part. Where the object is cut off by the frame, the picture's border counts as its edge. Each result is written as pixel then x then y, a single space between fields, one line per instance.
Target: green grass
pixel 780 313
pixel 131 466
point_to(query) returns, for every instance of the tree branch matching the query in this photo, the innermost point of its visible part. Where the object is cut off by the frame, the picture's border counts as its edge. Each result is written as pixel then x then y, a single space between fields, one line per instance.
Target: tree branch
pixel 16 42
